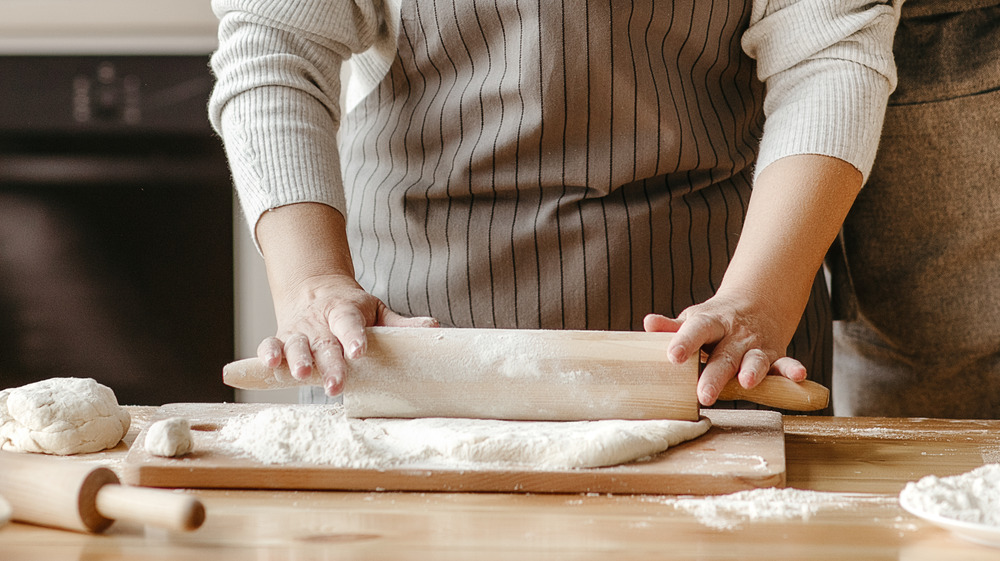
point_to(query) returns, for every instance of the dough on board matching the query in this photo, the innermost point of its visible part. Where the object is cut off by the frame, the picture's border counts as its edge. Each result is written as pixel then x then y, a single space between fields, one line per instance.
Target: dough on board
pixel 323 434
pixel 169 438
pixel 61 416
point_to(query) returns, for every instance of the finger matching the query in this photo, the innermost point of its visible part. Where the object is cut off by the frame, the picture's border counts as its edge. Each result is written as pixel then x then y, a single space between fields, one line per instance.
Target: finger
pixel 348 325
pixel 653 323
pixel 299 356
pixel 790 368
pixel 754 367
pixel 330 363
pixel 696 331
pixel 390 318
pixel 269 351
pixel 720 368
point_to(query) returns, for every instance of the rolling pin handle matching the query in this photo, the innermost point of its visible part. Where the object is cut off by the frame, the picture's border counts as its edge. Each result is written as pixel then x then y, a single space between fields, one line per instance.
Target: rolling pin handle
pixel 781 393
pixel 154 507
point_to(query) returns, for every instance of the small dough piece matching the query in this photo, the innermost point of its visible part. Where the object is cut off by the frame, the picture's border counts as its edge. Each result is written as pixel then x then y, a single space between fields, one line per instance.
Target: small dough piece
pixel 169 438
pixel 61 416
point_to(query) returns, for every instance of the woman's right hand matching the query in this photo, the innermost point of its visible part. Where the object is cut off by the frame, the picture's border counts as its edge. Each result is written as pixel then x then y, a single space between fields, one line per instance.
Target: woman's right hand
pixel 322 311
pixel 322 323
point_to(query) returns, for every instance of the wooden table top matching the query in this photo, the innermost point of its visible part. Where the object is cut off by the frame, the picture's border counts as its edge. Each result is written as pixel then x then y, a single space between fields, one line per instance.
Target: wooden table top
pixel 859 465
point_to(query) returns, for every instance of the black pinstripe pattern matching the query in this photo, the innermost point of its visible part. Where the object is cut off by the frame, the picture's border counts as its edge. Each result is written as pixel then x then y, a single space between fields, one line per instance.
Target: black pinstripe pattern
pixel 576 166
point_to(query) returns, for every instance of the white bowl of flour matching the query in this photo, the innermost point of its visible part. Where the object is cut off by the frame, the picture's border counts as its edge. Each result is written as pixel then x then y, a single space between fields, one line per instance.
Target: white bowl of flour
pixel 968 505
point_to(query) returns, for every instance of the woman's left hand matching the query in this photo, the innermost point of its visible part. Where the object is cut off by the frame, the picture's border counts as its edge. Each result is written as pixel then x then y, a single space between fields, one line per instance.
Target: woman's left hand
pixel 740 343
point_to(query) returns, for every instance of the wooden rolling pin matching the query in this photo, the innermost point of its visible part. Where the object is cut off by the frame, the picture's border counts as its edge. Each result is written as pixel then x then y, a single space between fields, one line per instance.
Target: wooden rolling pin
pixel 520 374
pixel 76 495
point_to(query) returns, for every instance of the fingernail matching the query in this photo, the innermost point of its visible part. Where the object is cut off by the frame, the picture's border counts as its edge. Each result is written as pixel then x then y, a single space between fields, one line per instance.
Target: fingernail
pixel 330 387
pixel 677 354
pixel 354 351
pixel 269 361
pixel 302 370
pixel 745 377
pixel 707 393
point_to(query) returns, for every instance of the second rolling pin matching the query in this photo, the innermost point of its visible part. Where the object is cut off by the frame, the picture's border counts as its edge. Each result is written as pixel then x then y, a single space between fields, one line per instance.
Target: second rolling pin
pixel 81 496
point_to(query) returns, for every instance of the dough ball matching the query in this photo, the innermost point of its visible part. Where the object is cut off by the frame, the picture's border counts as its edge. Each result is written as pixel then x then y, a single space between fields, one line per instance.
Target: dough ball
pixel 61 416
pixel 169 438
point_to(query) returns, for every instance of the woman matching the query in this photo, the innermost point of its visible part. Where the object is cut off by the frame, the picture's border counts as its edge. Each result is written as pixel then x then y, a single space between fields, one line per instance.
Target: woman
pixel 577 166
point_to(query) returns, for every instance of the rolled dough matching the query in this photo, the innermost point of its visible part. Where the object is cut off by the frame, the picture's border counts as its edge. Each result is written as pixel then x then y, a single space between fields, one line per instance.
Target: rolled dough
pixel 61 416
pixel 323 434
pixel 169 438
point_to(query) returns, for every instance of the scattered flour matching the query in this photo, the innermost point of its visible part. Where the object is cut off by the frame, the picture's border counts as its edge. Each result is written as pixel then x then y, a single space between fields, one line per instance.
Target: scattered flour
pixel 323 434
pixel 991 454
pixel 970 497
pixel 730 512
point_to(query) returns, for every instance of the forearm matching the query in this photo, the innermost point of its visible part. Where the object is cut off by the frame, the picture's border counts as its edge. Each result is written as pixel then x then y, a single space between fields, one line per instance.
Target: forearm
pixel 796 209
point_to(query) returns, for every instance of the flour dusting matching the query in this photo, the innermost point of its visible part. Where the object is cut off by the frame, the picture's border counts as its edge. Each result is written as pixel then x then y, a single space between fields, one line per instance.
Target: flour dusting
pixel 971 497
pixel 323 434
pixel 730 512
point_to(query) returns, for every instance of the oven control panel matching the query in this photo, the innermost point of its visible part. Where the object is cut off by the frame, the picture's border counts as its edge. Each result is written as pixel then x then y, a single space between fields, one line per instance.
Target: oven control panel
pixel 149 93
pixel 107 95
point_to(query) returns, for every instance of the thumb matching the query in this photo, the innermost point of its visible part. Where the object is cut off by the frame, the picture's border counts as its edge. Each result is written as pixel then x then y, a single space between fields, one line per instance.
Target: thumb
pixel 392 319
pixel 657 323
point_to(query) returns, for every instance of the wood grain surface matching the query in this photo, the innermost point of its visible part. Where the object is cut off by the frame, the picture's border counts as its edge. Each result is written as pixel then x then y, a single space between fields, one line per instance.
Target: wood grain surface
pixel 743 450
pixel 861 461
pixel 514 374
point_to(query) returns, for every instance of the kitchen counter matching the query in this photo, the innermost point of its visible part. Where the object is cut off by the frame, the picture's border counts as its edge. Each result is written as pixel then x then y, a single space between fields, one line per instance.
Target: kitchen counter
pixel 858 464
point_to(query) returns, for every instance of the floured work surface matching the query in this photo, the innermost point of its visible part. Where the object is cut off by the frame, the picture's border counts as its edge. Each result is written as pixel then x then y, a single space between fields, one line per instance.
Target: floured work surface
pixel 742 450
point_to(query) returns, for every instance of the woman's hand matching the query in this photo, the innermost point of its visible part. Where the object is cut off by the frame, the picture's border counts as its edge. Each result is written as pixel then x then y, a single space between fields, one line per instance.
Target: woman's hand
pixel 738 341
pixel 323 323
pixel 796 209
pixel 322 311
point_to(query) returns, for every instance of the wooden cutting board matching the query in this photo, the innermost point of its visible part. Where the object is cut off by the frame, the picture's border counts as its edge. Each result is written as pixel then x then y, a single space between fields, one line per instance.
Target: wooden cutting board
pixel 743 450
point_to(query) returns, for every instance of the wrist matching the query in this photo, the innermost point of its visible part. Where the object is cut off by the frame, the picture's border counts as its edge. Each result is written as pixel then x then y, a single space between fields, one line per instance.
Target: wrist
pixel 302 241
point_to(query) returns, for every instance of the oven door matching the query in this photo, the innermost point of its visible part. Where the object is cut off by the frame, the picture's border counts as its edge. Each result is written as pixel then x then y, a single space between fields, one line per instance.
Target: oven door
pixel 116 251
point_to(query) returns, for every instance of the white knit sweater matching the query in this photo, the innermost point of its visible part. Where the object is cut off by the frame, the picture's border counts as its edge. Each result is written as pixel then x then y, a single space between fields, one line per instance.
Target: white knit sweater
pixel 827 65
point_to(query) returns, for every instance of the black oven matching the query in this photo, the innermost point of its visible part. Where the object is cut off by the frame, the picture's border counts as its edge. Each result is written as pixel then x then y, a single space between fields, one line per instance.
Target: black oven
pixel 116 217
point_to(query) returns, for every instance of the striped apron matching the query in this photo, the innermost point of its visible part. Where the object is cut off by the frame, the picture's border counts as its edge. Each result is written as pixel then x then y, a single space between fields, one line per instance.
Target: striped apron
pixel 564 165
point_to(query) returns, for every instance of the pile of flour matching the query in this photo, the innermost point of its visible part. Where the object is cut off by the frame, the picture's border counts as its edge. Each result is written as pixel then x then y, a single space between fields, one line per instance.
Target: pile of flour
pixel 730 512
pixel 323 434
pixel 970 497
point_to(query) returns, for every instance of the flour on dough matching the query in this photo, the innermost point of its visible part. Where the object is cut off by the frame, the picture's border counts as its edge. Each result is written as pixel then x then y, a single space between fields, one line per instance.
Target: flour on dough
pixel 323 434
pixel 169 438
pixel 61 416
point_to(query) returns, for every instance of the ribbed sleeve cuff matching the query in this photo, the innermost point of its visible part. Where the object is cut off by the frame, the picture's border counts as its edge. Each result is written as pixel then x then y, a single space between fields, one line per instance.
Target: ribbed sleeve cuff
pixel 280 152
pixel 829 72
pixel 839 114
